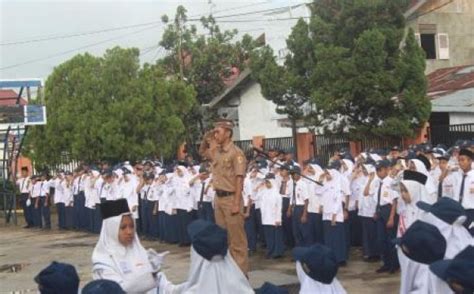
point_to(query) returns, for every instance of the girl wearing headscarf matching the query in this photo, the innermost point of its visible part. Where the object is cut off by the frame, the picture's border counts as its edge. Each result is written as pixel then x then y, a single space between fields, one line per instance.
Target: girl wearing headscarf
pixel 184 203
pixel 333 217
pixel 316 267
pixel 367 207
pixel 422 165
pixel 315 216
pixel 119 255
pixel 170 217
pixel 271 203
pixel 448 216
pixel 212 268
pixel 412 189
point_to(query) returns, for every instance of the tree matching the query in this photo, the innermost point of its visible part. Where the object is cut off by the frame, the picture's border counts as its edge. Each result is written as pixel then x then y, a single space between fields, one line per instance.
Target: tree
pixel 110 108
pixel 349 63
pixel 204 60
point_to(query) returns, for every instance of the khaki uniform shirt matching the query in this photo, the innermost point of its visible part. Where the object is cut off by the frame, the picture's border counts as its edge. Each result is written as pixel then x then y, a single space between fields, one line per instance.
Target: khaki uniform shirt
pixel 228 162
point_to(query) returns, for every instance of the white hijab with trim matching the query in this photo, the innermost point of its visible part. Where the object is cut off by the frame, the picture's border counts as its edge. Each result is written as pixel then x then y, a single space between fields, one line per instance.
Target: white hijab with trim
pixel 310 286
pixel 218 275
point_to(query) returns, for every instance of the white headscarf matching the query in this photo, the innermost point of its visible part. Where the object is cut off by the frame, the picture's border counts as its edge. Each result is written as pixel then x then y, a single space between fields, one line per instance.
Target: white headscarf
pixel 128 266
pixel 350 168
pixel 456 235
pixel 310 286
pixel 219 275
pixel 431 186
pixel 410 212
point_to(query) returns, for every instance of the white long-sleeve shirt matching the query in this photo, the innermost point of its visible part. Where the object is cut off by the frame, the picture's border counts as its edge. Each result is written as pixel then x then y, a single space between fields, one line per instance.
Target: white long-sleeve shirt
pixel 271 203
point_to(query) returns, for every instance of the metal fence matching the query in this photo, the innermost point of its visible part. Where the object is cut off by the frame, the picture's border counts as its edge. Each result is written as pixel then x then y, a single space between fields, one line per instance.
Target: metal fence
pixel 284 143
pixel 449 134
pixel 326 145
pixel 368 143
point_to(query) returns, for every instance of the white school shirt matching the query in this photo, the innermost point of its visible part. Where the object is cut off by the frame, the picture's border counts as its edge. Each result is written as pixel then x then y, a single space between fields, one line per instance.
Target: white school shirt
pixel 289 186
pixel 271 203
pixel 184 200
pixel 111 191
pixel 147 192
pixel 246 190
pixel 208 195
pixel 67 193
pixel 24 185
pixel 88 192
pixel 302 192
pixel 453 186
pixel 75 186
pixel 387 194
pixel 58 191
pixel 332 197
pixel 315 197
pixel 44 189
pixel 367 204
pixel 82 183
pixel 255 182
pixel 357 188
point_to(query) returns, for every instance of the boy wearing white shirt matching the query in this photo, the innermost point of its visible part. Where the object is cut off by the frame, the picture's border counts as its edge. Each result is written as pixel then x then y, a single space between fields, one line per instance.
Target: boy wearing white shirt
pixel 462 183
pixel 285 187
pixel 250 224
pixel 315 221
pixel 59 199
pixel 184 204
pixel 299 207
pixel 24 185
pixel 333 213
pixel 201 188
pixel 66 187
pixel 44 203
pixel 380 189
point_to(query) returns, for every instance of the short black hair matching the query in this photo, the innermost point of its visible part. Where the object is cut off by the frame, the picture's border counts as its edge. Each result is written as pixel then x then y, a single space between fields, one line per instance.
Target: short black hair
pixel 24 168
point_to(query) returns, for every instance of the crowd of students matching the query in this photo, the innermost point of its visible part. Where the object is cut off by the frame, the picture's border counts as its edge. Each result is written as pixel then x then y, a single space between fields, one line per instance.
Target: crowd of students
pixel 364 201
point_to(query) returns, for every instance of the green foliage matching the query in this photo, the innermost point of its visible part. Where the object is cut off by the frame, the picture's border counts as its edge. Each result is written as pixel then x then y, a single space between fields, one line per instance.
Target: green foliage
pixel 110 108
pixel 204 60
pixel 348 63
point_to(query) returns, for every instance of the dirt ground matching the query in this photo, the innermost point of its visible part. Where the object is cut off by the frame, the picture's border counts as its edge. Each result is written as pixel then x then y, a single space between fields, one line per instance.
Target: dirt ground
pixel 24 252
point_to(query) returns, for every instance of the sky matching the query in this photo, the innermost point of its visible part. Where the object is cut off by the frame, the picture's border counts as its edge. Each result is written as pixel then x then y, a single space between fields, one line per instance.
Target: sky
pixel 24 21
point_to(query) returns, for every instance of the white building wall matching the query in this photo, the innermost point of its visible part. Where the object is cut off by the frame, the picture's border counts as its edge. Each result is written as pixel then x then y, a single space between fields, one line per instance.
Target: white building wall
pixel 456 118
pixel 257 116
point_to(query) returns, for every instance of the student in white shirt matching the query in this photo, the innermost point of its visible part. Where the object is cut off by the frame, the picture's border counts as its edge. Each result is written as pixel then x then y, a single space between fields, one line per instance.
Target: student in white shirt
pixel 285 187
pixel 146 192
pixel 460 186
pixel 184 203
pixel 251 181
pixel 380 189
pixel 59 199
pixel 203 194
pixel 35 193
pixel 298 208
pixel 24 185
pixel 66 187
pixel 93 201
pixel 315 215
pixel 367 207
pixel 44 203
pixel 333 214
pixel 271 203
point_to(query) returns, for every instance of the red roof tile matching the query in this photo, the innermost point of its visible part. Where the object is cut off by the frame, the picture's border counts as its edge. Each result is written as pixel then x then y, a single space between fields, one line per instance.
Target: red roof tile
pixel 8 97
pixel 451 79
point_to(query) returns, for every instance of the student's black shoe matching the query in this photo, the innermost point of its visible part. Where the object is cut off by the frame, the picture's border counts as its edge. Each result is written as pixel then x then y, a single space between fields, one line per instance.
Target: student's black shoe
pixel 382 269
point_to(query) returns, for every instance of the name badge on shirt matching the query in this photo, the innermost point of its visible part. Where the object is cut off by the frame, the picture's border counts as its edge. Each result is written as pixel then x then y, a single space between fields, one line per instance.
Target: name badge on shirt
pixel 385 194
pixel 471 188
pixel 125 267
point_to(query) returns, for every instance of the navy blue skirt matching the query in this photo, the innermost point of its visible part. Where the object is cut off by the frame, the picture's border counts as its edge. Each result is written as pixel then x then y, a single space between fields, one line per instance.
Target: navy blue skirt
pixel 335 238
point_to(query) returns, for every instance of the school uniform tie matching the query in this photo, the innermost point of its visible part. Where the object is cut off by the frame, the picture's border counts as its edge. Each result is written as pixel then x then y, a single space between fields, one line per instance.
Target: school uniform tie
pixel 203 187
pixel 440 189
pixel 22 185
pixel 379 193
pixel 283 188
pixel 461 193
pixel 294 193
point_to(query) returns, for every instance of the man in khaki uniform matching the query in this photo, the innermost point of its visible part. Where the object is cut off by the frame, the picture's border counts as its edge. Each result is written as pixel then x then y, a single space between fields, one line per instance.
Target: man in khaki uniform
pixel 228 171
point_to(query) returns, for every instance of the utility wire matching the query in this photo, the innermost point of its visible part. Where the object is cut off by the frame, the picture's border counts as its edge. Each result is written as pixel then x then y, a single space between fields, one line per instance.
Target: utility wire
pixel 75 49
pixel 43 39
